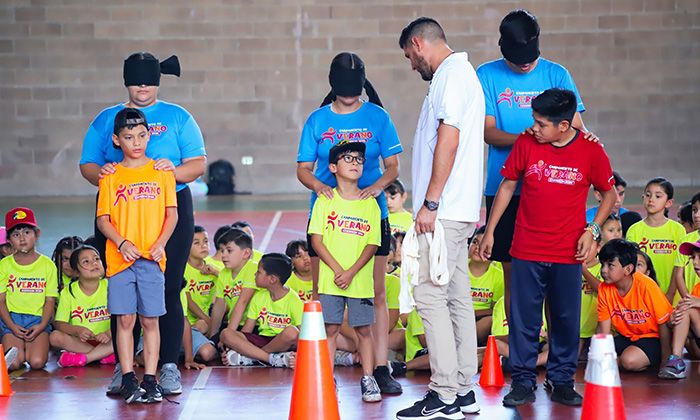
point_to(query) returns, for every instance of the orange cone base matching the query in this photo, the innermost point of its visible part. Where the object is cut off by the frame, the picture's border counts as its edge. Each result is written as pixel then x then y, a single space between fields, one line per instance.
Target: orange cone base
pixel 5 388
pixel 313 392
pixel 603 402
pixel 491 371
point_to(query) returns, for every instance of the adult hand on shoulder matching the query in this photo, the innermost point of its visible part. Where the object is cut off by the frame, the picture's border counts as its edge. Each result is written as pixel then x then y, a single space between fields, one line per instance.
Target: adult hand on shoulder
pixel 372 191
pixel 585 246
pixel 108 169
pixel 324 190
pixel 130 252
pixel 592 137
pixel 163 164
pixel 425 221
pixel 486 246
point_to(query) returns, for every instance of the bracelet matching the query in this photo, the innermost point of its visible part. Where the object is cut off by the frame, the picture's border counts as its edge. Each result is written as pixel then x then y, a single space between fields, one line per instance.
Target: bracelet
pixel 119 248
pixel 594 229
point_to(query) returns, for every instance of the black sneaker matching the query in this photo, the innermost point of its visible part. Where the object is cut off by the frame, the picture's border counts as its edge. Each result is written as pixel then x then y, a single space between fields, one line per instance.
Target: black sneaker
pixel 387 383
pixel 467 403
pixel 153 392
pixel 397 368
pixel 548 385
pixel 519 394
pixel 567 395
pixel 131 391
pixel 431 407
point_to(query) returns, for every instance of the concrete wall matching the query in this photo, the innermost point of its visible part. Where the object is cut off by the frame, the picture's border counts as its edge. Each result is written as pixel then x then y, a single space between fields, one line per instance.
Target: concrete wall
pixel 254 69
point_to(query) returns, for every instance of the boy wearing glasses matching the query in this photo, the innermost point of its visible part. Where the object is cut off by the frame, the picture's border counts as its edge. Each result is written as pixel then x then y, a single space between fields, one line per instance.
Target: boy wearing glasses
pixel 345 232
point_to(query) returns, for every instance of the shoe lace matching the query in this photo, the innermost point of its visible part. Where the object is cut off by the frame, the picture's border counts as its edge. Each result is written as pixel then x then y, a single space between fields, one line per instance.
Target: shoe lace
pixel 160 389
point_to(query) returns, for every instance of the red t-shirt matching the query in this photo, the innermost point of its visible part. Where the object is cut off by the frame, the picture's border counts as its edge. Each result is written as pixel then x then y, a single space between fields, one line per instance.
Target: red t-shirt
pixel 552 212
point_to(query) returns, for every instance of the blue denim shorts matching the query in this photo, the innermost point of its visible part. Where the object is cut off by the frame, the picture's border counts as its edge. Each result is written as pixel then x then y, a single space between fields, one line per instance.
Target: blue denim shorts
pixel 138 289
pixel 24 321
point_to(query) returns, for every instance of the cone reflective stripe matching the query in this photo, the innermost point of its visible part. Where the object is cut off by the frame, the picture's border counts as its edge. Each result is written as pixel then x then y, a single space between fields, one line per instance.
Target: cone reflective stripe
pixel 491 371
pixel 313 390
pixel 5 387
pixel 603 396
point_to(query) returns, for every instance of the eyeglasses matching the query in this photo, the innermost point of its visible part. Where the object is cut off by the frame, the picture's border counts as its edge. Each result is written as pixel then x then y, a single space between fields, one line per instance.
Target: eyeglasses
pixel 349 158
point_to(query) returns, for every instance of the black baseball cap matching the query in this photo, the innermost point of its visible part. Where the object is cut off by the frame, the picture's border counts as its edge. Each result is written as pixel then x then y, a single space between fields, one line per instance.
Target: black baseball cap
pixel 129 117
pixel 345 146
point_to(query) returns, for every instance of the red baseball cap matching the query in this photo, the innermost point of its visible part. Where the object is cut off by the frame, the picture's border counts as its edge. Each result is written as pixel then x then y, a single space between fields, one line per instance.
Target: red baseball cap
pixel 19 216
pixel 687 247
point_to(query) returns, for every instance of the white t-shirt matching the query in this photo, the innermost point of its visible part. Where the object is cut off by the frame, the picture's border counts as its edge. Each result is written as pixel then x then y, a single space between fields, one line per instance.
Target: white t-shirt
pixel 454 96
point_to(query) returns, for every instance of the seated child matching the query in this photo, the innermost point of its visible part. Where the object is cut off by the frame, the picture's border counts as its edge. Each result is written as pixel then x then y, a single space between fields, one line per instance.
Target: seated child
pixel 215 260
pixel 195 345
pixel 684 317
pixel 242 224
pixel 635 305
pixel 645 266
pixel 487 287
pixel 399 218
pixel 685 216
pixel 82 322
pixel 5 246
pixel 61 257
pixel 235 285
pixel 28 290
pixel 277 312
pixel 300 281
pixel 200 278
pixel 611 228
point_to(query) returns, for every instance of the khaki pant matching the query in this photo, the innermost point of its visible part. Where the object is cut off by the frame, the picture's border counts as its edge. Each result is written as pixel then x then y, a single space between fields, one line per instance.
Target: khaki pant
pixel 448 314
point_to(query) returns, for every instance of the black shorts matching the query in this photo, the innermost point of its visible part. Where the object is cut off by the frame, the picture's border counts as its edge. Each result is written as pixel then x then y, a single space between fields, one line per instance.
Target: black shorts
pixel 651 346
pixel 382 251
pixel 503 235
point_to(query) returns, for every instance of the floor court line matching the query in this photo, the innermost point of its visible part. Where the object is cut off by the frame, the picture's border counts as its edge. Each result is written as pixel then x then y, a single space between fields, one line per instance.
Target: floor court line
pixel 270 231
pixel 197 390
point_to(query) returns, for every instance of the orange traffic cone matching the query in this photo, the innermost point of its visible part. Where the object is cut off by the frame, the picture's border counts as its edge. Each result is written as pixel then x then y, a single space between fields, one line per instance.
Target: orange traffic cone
pixel 603 396
pixel 491 372
pixel 313 391
pixel 5 388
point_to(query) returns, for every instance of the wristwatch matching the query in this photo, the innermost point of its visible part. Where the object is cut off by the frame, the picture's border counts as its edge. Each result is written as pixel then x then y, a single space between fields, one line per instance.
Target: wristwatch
pixel 431 205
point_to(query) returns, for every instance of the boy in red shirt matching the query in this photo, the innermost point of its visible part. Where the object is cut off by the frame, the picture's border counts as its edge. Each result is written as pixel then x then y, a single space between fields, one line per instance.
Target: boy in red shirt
pixel 551 240
pixel 635 305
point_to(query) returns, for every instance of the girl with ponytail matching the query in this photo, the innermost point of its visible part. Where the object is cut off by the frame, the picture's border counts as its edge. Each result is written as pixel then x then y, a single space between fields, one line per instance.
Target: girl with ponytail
pixel 343 115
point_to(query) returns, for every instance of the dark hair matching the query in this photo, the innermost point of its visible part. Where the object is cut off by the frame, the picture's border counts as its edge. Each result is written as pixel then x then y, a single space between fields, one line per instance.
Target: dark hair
pixel 685 213
pixel 556 105
pixel 695 199
pixel 392 243
pixel 622 249
pixel 75 262
pixel 650 265
pixel 238 237
pixel 219 233
pixel 611 216
pixel 294 245
pixel 20 226
pixel 141 56
pixel 349 60
pixel 628 219
pixel 423 27
pixel 67 243
pixel 396 187
pixel 665 185
pixel 277 264
pixel 480 231
pixel 398 235
pixel 619 180
pixel 241 224
pixel 519 27
pixel 199 229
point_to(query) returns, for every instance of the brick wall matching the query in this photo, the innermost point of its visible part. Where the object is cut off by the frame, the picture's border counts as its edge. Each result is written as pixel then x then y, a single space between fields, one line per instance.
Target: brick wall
pixel 254 69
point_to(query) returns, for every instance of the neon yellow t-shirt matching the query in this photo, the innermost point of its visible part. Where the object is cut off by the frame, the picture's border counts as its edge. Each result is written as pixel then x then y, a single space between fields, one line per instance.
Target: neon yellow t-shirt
pixel 201 289
pixel 229 288
pixel 680 260
pixel 487 288
pixel 659 243
pixel 392 285
pixel 589 304
pixel 83 310
pixel 400 222
pixel 256 255
pixel 499 322
pixel 27 286
pixel 183 301
pixel 414 328
pixel 272 317
pixel 301 287
pixel 216 264
pixel 65 280
pixel 347 228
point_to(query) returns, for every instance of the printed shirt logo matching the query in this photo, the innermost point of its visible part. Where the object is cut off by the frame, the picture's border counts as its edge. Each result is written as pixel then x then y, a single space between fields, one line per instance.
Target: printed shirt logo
pixel 350 134
pixel 631 316
pixel 11 283
pixel 19 215
pixel 522 99
pixel 331 220
pixel 657 246
pixel 203 288
pixel 156 129
pixel 586 287
pixel 481 295
pixel 274 320
pixel 351 225
pixel 137 191
pixel 26 285
pixel 304 295
pixel 232 292
pixel 555 174
pixel 96 314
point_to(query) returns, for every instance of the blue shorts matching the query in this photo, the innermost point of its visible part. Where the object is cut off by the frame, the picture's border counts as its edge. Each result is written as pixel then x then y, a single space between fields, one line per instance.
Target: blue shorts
pixel 138 289
pixel 360 311
pixel 24 321
pixel 198 340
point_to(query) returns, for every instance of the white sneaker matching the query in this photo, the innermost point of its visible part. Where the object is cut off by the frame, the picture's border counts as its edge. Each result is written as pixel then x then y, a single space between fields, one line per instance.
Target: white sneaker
pixel 280 360
pixel 343 358
pixel 11 356
pixel 370 389
pixel 237 359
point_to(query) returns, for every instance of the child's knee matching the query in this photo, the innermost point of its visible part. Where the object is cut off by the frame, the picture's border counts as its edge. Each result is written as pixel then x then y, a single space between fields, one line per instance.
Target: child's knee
pixel 631 363
pixel 37 362
pixel 201 326
pixel 364 331
pixel 207 353
pixel 57 339
pixel 149 323
pixel 228 336
pixel 332 329
pixel 126 322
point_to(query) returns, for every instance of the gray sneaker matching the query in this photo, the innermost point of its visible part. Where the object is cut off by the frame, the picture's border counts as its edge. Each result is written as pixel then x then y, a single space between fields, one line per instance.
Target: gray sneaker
pixel 113 388
pixel 11 356
pixel 343 358
pixel 170 379
pixel 280 360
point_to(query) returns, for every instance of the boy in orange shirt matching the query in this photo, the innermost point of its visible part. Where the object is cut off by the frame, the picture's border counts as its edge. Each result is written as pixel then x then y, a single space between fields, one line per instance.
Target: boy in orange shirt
pixel 635 305
pixel 684 317
pixel 137 212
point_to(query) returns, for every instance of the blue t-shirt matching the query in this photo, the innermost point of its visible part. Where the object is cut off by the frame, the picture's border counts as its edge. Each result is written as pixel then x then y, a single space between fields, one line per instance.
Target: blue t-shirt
pixel 174 136
pixel 590 213
pixel 370 124
pixel 508 95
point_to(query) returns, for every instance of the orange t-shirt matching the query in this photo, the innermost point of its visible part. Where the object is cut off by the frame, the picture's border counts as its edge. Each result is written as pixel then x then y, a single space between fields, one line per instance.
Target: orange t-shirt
pixel 696 290
pixel 135 200
pixel 639 313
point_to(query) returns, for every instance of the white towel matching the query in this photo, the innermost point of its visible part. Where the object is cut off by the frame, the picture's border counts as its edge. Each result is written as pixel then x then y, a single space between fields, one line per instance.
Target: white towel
pixel 439 274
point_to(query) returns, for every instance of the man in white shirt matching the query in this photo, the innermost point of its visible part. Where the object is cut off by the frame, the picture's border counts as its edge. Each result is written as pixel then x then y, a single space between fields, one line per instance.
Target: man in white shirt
pixel 447 186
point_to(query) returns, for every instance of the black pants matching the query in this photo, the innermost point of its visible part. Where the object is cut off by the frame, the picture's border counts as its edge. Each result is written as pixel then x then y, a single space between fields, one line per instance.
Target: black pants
pixel 177 250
